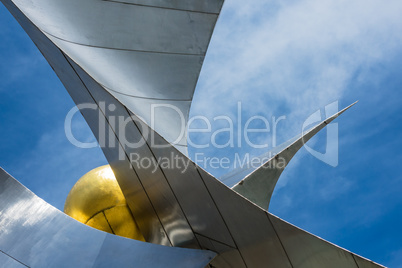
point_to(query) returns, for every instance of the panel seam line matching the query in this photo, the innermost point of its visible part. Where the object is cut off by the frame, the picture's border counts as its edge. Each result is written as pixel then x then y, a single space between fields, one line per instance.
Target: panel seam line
pixel 219 211
pixel 214 240
pixel 159 7
pixel 110 226
pixel 280 240
pixel 166 179
pixel 124 49
pixel 353 256
pixel 139 97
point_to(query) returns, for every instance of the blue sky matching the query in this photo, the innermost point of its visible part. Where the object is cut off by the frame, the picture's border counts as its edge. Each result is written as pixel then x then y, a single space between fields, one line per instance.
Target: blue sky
pixel 280 58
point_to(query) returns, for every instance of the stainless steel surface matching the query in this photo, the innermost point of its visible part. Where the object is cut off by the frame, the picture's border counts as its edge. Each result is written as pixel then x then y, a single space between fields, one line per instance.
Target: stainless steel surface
pixel 233 177
pixel 308 251
pixel 174 205
pixel 207 6
pixel 137 73
pixel 363 262
pixel 35 234
pixel 151 182
pixel 112 25
pixel 139 52
pixel 249 226
pixel 259 184
pixel 139 202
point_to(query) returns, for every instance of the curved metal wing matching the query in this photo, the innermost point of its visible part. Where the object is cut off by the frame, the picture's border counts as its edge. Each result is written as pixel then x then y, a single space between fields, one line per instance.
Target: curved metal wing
pixel 35 234
pixel 147 54
pixel 257 185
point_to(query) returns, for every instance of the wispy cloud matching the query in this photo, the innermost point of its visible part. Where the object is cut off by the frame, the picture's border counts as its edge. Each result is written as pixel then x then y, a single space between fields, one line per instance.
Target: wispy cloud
pixel 291 58
pixel 286 57
pixel 297 55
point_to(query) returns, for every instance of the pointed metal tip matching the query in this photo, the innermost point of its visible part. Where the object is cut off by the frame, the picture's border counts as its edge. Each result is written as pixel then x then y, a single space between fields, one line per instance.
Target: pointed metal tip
pixel 331 118
pixel 347 108
pixel 354 103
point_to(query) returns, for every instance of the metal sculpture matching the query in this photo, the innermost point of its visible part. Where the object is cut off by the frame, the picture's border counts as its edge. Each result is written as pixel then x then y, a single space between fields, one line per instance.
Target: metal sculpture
pixel 117 59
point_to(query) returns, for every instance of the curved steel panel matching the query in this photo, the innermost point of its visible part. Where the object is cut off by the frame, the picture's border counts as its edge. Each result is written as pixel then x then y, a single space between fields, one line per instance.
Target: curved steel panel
pixel 144 211
pixel 142 54
pixel 138 74
pixel 233 177
pixel 34 233
pixel 130 27
pixel 162 116
pixel 206 6
pixel 150 178
pixel 259 185
pixel 308 251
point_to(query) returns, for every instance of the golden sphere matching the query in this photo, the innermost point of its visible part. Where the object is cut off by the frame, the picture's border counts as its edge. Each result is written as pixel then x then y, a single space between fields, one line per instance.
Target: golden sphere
pixel 97 201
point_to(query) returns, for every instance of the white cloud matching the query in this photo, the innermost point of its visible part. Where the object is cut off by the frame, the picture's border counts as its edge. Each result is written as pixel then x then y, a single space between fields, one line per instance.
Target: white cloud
pixel 299 54
pixel 285 57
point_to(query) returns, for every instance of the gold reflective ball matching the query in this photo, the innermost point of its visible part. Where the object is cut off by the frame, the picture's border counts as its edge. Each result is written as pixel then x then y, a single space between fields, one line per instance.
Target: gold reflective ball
pixel 97 201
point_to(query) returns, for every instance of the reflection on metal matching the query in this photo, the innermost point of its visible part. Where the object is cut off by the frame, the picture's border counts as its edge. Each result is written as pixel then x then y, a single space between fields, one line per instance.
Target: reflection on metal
pixel 147 54
pixel 97 200
pixel 35 234
pixel 131 56
pixel 302 249
pixel 258 185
